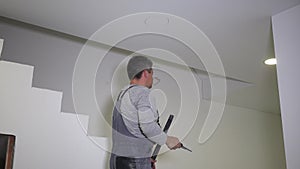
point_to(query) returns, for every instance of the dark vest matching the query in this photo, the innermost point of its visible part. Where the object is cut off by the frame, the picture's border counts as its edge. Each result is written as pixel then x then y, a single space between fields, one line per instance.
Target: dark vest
pixel 125 143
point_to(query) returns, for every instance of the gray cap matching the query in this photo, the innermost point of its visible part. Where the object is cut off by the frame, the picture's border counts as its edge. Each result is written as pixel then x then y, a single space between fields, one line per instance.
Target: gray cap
pixel 136 64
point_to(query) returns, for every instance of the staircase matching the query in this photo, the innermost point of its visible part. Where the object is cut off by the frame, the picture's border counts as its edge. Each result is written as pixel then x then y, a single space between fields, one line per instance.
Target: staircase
pixel 46 137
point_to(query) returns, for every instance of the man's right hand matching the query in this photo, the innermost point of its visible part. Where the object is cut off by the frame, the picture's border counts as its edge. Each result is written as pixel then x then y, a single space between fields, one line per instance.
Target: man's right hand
pixel 173 142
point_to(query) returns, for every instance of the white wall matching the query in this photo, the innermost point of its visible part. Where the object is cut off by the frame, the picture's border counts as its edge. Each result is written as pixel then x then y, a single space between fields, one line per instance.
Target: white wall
pixel 245 139
pixel 286 31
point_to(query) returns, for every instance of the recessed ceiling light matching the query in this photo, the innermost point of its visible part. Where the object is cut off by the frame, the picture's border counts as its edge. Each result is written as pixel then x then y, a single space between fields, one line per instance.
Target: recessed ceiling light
pixel 271 61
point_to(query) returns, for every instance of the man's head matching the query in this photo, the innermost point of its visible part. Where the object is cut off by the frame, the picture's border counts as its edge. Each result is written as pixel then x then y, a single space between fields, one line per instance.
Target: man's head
pixel 140 68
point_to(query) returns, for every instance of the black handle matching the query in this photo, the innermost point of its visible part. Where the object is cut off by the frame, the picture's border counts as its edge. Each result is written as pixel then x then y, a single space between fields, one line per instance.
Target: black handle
pixel 166 128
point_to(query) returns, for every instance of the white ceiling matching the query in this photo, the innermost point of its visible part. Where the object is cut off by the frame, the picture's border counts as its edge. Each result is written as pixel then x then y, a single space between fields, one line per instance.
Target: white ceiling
pixel 239 29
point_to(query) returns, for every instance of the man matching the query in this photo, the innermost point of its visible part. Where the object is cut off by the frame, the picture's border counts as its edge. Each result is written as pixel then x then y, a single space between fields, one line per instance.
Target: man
pixel 135 120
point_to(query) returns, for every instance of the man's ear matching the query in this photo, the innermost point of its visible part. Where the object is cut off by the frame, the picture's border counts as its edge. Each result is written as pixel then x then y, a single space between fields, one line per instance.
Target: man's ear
pixel 145 73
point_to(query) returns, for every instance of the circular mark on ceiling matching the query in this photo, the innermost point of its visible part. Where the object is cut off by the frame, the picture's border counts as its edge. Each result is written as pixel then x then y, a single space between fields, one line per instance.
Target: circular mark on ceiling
pixel 157 20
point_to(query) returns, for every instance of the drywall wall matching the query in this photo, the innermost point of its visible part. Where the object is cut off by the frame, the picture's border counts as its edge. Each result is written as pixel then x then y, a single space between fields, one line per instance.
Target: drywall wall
pixel 256 150
pixel 286 31
pixel 47 138
pixel 52 54
pixel 244 139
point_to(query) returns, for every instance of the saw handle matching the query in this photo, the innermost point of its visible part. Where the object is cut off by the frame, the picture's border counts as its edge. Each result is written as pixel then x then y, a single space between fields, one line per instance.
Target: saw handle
pixel 166 128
